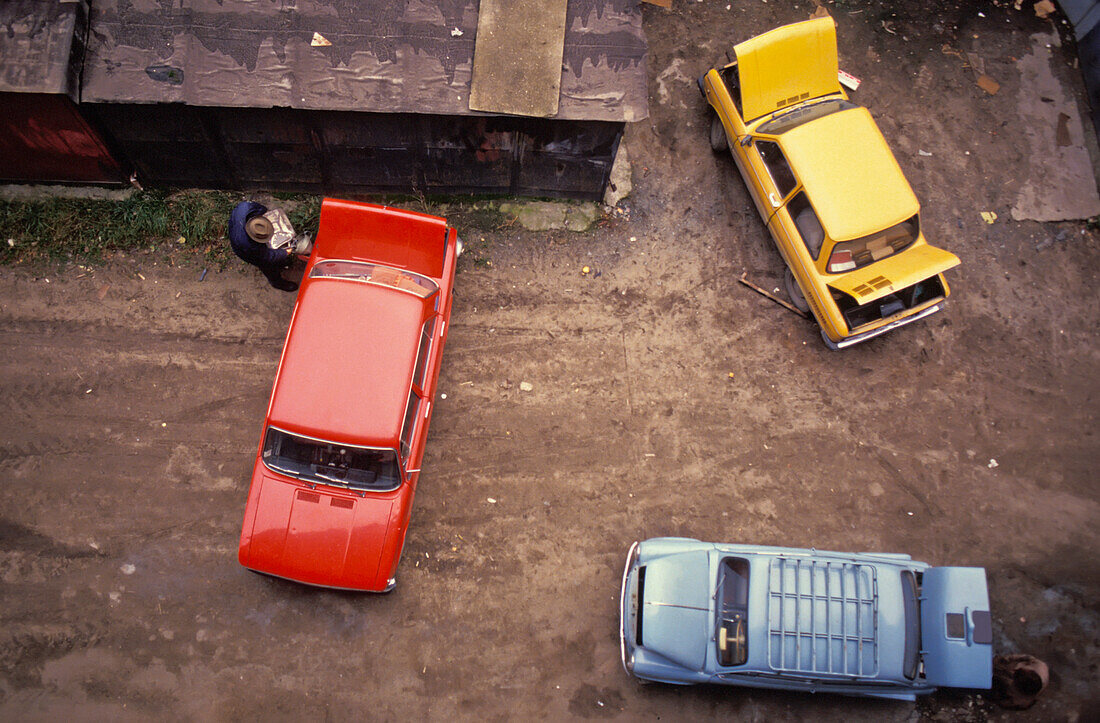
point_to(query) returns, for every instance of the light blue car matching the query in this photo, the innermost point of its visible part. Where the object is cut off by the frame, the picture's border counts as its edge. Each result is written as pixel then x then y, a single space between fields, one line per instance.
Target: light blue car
pixel 879 625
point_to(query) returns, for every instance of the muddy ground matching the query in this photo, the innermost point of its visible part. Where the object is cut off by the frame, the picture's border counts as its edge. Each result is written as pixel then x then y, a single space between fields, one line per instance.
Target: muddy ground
pixel 667 400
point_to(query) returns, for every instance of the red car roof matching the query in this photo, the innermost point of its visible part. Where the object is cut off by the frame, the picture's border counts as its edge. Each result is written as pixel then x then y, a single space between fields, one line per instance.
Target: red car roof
pixel 348 363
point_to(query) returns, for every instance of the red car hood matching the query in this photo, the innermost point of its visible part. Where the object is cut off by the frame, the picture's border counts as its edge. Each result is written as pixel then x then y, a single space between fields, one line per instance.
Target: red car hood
pixel 319 536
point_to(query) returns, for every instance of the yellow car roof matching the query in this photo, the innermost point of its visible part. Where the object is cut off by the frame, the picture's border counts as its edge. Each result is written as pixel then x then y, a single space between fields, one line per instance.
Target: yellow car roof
pixel 789 64
pixel 852 179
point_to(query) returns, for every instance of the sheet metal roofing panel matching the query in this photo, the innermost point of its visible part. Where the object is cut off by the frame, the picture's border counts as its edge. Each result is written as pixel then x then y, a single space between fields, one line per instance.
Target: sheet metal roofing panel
pixel 360 55
pixel 42 45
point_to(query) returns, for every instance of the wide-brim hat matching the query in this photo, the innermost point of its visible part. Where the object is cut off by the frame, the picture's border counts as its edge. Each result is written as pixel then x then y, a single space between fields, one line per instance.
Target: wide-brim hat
pixel 259 229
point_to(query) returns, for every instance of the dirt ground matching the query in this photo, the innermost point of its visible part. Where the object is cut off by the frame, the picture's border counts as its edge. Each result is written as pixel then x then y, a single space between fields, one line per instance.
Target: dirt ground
pixel 667 399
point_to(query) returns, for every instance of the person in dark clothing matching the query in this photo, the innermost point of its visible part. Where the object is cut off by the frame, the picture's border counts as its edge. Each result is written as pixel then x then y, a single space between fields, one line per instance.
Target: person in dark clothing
pixel 248 243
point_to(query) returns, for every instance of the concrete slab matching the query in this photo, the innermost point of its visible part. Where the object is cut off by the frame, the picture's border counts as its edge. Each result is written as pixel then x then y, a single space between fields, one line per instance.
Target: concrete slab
pixel 620 185
pixel 1061 184
pixel 551 215
pixel 518 57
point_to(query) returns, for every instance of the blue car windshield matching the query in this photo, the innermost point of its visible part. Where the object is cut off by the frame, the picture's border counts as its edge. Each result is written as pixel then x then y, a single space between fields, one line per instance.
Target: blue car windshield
pixel 732 597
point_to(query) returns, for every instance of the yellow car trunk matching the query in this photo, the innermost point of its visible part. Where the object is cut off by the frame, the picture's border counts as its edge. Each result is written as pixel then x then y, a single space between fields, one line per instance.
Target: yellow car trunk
pixel 892 274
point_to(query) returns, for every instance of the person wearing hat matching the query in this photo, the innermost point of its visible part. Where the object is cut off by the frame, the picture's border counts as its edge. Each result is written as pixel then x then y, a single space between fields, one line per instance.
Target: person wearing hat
pixel 249 232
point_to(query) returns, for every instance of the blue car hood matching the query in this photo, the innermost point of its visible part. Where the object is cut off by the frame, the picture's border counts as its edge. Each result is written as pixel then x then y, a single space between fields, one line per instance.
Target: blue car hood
pixel 956 632
pixel 675 608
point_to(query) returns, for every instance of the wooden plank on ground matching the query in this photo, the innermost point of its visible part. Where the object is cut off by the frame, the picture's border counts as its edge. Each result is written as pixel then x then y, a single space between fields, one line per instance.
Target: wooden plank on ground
pixel 773 297
pixel 518 57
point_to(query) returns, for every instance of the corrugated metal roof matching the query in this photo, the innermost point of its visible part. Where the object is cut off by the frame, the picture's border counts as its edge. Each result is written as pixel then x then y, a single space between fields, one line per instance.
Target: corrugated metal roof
pixel 361 55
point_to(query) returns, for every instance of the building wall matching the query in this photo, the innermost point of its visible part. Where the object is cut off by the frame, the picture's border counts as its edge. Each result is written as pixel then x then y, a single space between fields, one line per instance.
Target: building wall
pixel 348 152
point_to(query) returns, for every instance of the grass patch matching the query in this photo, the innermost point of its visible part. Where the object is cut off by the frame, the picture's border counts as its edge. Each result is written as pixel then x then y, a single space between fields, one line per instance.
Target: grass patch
pixel 89 230
pixel 471 217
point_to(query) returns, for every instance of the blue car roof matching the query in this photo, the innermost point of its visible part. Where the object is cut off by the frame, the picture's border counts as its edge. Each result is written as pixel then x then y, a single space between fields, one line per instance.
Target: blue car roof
pixel 823 617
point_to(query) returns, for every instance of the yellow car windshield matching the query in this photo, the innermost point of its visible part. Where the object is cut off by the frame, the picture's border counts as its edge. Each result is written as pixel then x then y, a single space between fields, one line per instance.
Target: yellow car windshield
pixel 783 122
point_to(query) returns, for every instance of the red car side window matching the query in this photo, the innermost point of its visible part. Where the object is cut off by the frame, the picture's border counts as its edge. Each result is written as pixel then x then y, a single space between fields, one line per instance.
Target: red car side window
pixel 409 424
pixel 422 353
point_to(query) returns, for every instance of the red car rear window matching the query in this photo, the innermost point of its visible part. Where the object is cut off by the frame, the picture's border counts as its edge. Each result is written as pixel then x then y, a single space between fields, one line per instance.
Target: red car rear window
pixel 375 274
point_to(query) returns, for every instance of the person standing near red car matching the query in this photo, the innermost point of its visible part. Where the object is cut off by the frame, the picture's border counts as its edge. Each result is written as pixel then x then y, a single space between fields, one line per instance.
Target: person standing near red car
pixel 249 233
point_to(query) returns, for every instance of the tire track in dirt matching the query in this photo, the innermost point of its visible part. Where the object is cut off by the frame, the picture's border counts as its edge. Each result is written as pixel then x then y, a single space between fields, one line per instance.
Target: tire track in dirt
pixel 55 331
pixel 48 447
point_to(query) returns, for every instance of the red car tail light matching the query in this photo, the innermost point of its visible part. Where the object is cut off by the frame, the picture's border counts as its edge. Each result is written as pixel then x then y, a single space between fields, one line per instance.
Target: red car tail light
pixel 841 261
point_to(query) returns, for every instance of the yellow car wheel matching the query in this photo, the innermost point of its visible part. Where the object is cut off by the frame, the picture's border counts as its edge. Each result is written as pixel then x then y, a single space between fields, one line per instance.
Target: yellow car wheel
pixel 794 292
pixel 718 142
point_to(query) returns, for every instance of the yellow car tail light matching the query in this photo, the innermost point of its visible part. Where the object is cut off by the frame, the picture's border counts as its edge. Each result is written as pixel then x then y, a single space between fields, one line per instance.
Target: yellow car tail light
pixel 841 261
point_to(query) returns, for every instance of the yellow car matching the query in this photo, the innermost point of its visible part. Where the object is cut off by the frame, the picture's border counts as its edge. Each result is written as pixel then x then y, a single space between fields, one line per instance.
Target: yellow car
pixel 832 194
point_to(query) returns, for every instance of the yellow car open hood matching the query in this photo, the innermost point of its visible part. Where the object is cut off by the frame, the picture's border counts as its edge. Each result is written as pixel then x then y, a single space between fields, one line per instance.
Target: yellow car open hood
pixel 894 273
pixel 787 65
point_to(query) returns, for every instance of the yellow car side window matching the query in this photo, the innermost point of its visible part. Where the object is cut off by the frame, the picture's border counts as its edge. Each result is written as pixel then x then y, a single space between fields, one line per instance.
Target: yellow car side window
pixel 777 165
pixel 807 223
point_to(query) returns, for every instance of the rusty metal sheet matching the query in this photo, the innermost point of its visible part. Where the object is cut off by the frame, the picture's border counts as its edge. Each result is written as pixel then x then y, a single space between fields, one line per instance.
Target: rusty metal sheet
pixel 517 57
pixel 361 55
pixel 604 71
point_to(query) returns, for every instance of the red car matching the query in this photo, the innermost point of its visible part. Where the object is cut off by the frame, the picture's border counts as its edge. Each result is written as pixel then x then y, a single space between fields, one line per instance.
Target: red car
pixel 334 479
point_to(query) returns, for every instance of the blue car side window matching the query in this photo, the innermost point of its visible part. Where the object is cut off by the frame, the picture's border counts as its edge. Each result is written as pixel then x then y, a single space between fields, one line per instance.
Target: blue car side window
pixel 733 601
pixel 910 592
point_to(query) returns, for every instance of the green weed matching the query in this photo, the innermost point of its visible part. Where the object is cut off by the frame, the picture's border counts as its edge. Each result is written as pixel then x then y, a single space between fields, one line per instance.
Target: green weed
pixel 183 223
pixel 84 230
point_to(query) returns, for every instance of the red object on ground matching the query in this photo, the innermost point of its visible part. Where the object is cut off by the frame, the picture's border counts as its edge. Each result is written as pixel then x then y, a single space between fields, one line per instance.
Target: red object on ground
pixel 339 460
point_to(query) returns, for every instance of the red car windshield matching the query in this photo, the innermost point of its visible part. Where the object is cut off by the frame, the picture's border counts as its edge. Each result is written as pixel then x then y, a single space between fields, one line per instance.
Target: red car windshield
pixel 316 460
